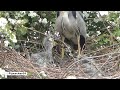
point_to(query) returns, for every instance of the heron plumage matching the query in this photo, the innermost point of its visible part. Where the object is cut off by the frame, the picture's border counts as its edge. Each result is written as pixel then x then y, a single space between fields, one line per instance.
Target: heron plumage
pixel 70 25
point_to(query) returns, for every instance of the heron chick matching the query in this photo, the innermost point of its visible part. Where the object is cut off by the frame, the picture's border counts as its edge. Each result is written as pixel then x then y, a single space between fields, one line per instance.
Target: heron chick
pixel 72 28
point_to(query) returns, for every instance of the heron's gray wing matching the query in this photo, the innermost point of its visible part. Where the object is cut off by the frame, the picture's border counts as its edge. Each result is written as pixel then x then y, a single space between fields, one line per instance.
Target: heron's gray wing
pixel 80 12
pixel 81 25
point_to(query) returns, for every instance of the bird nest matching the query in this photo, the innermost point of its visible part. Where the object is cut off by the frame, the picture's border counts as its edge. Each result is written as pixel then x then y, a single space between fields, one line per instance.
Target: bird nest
pixel 12 61
pixel 103 63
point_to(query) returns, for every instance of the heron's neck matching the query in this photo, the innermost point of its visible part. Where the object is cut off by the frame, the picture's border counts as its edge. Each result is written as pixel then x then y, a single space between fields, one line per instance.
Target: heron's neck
pixel 66 19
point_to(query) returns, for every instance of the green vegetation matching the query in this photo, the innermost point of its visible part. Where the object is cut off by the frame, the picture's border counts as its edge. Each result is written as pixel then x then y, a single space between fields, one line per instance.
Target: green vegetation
pixel 20 28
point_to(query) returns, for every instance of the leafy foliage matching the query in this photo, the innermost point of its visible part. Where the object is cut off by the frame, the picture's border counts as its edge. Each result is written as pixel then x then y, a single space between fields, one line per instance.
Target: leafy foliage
pixel 20 28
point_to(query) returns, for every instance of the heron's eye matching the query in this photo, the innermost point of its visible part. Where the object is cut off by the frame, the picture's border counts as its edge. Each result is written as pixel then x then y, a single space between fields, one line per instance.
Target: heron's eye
pixel 58 13
pixel 74 14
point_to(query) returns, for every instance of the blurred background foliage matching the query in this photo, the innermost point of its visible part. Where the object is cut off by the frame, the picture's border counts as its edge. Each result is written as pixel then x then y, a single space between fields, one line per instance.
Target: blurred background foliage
pixel 26 29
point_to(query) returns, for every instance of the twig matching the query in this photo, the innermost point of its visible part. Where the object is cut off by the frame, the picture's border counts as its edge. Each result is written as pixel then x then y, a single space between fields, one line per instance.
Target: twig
pixel 103 55
pixel 29 41
pixel 97 69
pixel 72 66
pixel 32 29
pixel 103 48
pixel 115 63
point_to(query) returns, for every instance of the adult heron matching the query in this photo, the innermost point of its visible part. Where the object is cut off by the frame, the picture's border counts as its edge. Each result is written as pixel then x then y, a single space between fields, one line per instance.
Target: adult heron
pixel 72 28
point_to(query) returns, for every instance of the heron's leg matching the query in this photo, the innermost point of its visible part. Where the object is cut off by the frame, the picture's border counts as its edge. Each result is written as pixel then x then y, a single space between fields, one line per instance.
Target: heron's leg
pixel 79 48
pixel 63 51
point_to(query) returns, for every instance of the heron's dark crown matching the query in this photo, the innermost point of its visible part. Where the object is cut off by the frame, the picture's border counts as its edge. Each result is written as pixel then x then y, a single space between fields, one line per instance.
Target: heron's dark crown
pixel 74 14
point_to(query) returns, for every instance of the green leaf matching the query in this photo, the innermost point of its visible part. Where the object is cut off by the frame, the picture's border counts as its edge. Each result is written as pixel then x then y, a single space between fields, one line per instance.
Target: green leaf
pixel 11 36
pixel 117 31
pixel 23 30
pixel 8 26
